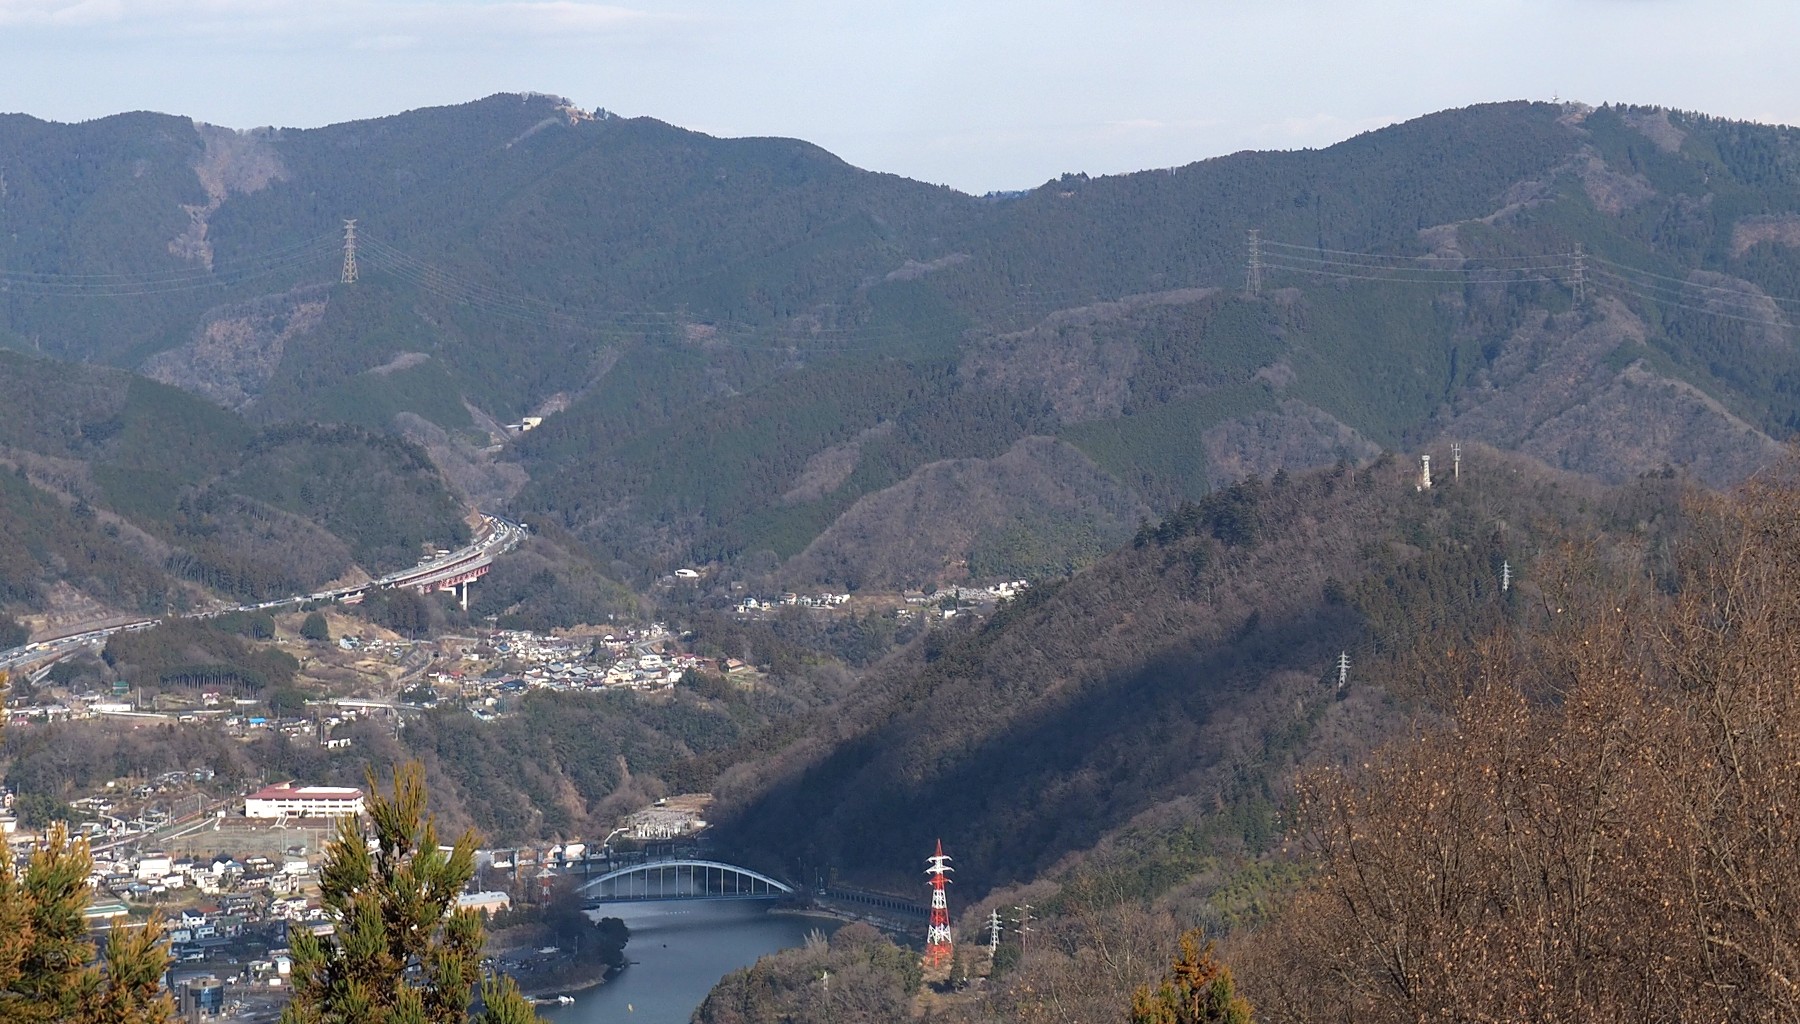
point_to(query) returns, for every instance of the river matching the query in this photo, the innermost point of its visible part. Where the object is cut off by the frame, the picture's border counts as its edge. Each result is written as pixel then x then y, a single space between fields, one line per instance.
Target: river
pixel 678 952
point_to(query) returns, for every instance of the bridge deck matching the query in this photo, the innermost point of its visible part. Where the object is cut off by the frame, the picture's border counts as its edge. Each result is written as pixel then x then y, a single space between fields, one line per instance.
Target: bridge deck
pixel 683 879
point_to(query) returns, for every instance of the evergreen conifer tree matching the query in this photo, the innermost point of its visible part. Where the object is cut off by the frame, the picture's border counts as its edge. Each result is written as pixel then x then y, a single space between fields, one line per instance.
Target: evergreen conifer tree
pixel 1197 989
pixel 45 974
pixel 403 952
pixel 314 627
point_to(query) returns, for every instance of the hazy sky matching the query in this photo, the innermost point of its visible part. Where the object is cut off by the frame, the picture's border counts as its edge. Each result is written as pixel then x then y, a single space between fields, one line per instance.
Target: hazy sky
pixel 978 94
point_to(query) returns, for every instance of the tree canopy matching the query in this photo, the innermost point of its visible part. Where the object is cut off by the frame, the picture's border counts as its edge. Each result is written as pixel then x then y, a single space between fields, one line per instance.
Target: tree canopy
pixel 402 952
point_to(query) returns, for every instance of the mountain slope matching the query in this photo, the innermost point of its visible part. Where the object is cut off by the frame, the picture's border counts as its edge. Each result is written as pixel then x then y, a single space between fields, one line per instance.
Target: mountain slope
pixel 1172 684
pixel 716 328
pixel 123 493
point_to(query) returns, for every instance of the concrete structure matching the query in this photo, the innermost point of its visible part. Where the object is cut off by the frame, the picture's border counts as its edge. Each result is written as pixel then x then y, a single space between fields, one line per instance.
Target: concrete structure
pixel 290 801
pixel 154 867
pixel 486 902
pixel 199 996
pixel 104 911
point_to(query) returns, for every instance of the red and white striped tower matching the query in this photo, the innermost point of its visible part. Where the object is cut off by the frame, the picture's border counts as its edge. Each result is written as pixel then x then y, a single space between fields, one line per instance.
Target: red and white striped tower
pixel 937 937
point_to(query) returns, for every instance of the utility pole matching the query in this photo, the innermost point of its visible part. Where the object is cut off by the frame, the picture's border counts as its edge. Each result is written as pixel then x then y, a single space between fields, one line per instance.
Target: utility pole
pixel 1024 910
pixel 1580 283
pixel 1253 270
pixel 1343 668
pixel 1456 460
pixel 993 932
pixel 349 276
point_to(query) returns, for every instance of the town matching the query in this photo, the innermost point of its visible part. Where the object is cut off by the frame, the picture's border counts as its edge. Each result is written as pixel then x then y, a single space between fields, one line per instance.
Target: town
pixel 232 879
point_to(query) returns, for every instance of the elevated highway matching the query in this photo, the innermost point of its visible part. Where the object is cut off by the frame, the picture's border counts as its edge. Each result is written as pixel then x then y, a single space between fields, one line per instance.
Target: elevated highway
pixel 450 571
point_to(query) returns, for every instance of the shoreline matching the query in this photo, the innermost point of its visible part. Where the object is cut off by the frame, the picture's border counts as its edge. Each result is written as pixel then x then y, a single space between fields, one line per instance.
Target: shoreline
pixel 548 991
pixel 846 916
pixel 543 987
pixel 543 983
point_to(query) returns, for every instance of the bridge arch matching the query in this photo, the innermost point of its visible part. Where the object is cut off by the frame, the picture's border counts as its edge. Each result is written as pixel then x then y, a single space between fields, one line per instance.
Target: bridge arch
pixel 683 879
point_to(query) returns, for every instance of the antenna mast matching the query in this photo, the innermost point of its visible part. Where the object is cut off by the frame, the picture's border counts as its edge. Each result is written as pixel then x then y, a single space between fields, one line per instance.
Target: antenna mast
pixel 349 276
pixel 937 938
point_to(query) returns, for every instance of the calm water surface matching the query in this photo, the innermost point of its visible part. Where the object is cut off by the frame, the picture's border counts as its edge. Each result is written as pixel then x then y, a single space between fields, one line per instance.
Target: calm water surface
pixel 679 951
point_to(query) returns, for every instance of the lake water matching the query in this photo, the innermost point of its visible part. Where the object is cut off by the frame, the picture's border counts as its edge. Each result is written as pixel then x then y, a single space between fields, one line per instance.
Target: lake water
pixel 678 952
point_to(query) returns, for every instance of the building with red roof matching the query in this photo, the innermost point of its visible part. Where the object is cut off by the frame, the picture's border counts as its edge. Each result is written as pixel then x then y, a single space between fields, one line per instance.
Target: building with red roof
pixel 290 801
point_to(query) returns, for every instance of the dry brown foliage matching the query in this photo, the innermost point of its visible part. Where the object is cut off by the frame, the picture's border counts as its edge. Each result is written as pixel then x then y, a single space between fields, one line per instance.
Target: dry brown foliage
pixel 1605 833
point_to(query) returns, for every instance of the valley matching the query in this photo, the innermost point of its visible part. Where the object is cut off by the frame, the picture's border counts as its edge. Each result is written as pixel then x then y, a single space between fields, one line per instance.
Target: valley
pixel 1128 535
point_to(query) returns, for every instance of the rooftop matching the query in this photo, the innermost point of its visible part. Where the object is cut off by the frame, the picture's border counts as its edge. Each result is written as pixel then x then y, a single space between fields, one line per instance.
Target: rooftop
pixel 289 791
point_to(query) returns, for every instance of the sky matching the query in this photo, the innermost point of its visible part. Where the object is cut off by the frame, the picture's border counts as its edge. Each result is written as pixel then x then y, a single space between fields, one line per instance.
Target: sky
pixel 981 95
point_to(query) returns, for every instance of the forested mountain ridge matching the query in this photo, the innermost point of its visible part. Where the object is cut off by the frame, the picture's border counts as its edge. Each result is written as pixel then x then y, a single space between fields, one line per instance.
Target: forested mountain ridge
pixel 749 348
pixel 127 495
pixel 1156 701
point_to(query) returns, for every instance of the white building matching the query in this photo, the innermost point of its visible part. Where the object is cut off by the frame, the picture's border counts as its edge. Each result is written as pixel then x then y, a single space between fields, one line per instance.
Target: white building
pixel 154 867
pixel 486 902
pixel 290 801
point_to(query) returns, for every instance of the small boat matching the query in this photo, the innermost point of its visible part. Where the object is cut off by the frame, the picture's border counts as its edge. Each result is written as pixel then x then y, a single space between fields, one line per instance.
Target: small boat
pixel 565 1000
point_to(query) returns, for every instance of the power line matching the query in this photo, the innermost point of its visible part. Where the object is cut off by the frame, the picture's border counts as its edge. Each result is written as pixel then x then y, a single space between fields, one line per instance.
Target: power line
pixel 1420 270
pixel 170 282
pixel 1692 284
pixel 176 274
pixel 1659 289
pixel 1400 277
pixel 1676 293
pixel 1037 307
pixel 1663 299
pixel 544 313
pixel 1398 257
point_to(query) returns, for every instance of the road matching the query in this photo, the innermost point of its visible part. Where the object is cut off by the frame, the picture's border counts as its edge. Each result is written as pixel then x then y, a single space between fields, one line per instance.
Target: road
pixel 497 537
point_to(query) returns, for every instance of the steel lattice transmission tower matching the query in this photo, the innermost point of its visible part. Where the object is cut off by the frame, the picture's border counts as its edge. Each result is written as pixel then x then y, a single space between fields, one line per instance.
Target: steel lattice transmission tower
pixel 349 252
pixel 938 949
pixel 1254 268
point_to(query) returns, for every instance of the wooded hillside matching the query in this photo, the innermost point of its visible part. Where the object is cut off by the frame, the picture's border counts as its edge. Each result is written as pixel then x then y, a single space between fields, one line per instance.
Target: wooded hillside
pixel 740 345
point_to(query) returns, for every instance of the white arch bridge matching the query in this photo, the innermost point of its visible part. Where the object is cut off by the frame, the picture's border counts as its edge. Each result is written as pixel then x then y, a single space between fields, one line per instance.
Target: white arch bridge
pixel 683 880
